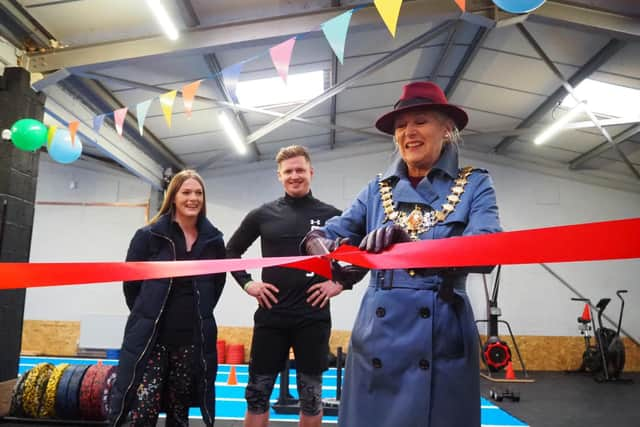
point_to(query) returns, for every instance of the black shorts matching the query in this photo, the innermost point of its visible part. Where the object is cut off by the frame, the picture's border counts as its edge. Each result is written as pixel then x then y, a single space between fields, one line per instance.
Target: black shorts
pixel 272 339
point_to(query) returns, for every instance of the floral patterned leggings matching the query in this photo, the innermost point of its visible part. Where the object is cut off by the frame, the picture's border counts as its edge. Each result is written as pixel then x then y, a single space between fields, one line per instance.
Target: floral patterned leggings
pixel 166 383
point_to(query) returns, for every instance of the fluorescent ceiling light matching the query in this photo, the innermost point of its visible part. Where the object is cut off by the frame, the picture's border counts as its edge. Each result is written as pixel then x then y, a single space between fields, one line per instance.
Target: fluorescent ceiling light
pixel 272 91
pixel 232 132
pixel 559 124
pixel 605 98
pixel 163 19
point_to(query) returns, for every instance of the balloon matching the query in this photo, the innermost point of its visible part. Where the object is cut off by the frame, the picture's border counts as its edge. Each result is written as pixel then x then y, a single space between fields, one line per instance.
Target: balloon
pixel 28 134
pixel 60 148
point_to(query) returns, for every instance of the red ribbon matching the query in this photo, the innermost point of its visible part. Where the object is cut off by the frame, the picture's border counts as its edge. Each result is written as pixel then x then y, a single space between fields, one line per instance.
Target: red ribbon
pixel 618 239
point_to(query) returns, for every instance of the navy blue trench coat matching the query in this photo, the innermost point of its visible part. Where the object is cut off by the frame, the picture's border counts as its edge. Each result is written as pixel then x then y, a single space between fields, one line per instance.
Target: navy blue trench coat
pixel 413 357
pixel 146 300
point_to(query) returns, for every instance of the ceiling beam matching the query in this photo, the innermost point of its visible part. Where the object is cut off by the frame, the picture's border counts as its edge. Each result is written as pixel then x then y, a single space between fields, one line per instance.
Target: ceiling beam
pixel 188 13
pixel 604 146
pixel 64 108
pixel 334 101
pixel 467 59
pixel 446 49
pixel 334 90
pixel 587 18
pixel 595 62
pixel 199 41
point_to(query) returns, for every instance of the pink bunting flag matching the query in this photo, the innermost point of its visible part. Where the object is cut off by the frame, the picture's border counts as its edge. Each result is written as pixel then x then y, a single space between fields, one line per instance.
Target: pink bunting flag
pixel 188 95
pixel 73 128
pixel 118 117
pixel 281 57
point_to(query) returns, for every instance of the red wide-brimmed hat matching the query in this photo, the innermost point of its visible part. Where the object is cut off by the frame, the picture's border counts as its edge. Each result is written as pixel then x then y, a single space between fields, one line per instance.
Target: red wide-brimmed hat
pixel 422 96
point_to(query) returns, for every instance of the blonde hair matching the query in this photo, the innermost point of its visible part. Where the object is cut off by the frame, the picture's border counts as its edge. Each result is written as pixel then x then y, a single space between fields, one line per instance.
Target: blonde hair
pixel 173 188
pixel 290 152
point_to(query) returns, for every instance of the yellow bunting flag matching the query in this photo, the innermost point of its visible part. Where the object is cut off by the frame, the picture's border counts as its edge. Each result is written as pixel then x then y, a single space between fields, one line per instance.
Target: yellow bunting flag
pixel 50 133
pixel 188 95
pixel 73 128
pixel 389 10
pixel 166 102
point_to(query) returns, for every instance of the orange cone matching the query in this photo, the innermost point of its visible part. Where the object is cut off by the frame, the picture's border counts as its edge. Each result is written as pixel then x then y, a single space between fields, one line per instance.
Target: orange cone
pixel 586 313
pixel 233 379
pixel 509 374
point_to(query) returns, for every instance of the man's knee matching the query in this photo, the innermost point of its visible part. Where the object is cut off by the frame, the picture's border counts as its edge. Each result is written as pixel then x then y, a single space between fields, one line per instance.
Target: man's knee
pixel 258 392
pixel 310 391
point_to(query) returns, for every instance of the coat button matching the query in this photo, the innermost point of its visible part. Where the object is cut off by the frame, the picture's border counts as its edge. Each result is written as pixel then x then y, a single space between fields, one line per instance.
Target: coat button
pixel 380 311
pixel 425 312
pixel 377 363
pixel 424 364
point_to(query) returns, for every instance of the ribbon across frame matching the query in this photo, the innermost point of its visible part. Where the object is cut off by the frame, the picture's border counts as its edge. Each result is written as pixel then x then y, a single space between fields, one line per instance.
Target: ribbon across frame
pixel 618 239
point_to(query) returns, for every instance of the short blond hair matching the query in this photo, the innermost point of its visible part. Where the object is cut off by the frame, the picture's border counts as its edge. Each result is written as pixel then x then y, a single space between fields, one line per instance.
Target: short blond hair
pixel 292 151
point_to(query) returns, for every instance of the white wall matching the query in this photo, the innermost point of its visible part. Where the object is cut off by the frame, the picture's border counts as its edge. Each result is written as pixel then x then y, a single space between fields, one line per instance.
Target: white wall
pixel 532 300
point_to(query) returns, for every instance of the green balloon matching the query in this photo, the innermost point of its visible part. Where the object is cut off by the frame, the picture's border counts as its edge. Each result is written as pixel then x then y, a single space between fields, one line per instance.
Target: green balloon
pixel 28 134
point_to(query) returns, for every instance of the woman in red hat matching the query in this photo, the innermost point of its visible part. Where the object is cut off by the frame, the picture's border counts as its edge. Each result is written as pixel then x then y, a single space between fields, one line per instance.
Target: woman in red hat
pixel 413 356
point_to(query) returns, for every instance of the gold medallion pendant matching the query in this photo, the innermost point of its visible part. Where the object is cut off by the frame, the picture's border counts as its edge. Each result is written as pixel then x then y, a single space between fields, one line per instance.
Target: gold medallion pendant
pixel 417 221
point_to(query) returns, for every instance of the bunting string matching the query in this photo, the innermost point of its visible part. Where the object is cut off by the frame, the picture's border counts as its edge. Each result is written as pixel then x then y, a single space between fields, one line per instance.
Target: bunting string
pixel 335 31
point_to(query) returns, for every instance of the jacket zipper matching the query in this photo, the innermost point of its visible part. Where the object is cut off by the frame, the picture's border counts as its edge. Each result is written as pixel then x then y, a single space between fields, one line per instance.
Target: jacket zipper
pixel 202 358
pixel 155 326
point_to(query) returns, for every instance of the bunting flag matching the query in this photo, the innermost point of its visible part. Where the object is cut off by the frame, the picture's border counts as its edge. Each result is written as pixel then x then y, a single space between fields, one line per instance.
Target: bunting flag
pixel 166 103
pixel 118 117
pixel 281 57
pixel 141 113
pixel 335 31
pixel 462 4
pixel 73 129
pixel 389 10
pixel 188 95
pixel 50 133
pixel 231 77
pixel 97 123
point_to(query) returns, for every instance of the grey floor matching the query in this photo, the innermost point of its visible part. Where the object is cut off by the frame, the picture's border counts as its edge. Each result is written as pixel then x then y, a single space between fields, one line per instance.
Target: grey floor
pixel 558 399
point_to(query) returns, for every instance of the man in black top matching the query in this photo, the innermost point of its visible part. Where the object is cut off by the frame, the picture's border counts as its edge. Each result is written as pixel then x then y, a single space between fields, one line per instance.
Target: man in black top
pixel 293 304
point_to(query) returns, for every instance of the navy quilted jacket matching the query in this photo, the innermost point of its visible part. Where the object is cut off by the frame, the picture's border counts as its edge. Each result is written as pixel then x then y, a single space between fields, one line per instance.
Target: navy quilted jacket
pixel 146 301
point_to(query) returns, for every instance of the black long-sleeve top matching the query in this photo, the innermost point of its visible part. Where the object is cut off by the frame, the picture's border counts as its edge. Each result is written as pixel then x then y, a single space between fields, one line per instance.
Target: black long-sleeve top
pixel 281 226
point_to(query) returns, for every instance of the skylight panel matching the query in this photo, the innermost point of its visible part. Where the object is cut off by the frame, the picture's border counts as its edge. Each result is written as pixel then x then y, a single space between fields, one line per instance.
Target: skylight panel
pixel 606 98
pixel 272 91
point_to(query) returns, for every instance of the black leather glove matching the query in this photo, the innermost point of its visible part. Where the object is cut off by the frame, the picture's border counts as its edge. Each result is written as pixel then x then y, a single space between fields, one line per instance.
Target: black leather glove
pixel 383 237
pixel 347 275
pixel 316 243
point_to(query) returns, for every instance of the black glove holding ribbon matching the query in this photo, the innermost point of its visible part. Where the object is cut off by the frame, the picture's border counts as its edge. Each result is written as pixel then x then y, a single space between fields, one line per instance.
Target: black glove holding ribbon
pixel 316 243
pixel 381 238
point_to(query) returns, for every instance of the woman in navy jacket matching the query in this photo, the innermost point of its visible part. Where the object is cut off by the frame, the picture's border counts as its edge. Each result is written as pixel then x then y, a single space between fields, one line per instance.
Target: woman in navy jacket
pixel 168 359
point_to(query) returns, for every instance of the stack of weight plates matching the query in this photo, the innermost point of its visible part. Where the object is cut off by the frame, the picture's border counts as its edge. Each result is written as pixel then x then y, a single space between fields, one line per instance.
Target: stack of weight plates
pixel 64 392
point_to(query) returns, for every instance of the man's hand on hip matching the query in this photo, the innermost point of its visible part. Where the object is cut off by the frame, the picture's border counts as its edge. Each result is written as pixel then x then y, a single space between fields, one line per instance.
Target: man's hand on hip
pixel 320 293
pixel 265 293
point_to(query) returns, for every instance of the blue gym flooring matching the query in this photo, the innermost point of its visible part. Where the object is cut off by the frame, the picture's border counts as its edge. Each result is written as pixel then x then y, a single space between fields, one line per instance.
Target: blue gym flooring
pixel 230 403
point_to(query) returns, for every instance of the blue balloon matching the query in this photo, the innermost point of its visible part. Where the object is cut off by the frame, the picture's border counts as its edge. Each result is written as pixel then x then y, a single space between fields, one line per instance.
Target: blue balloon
pixel 60 148
pixel 518 6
